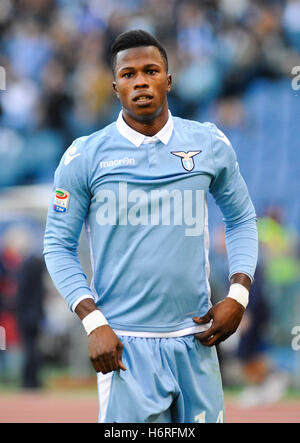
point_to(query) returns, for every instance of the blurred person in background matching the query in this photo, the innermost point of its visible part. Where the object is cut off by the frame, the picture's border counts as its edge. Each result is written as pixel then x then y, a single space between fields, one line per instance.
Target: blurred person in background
pixel 10 264
pixel 30 316
pixel 22 286
pixel 56 102
pixel 291 23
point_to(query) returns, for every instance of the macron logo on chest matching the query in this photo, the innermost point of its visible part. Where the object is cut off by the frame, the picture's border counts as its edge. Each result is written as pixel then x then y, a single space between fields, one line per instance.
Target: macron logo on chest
pixel 125 161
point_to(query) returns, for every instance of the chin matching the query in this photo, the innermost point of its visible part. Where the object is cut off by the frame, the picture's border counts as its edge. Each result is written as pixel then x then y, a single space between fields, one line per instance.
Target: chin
pixel 146 113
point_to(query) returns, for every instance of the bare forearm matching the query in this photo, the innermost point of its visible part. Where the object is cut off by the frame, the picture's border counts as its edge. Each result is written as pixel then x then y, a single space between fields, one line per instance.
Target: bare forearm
pixel 85 307
pixel 242 279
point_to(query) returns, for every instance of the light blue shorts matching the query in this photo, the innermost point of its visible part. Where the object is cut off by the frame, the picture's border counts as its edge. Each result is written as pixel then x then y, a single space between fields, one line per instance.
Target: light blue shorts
pixel 168 380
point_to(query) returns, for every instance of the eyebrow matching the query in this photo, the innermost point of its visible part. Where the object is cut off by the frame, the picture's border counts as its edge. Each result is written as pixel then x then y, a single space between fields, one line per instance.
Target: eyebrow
pixel 149 65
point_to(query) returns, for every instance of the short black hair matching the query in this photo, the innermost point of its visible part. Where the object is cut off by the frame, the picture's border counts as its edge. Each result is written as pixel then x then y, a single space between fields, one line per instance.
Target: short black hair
pixel 135 39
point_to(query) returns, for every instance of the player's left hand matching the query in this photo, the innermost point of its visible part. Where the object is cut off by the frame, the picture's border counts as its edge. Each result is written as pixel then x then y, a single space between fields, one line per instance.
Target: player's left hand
pixel 226 317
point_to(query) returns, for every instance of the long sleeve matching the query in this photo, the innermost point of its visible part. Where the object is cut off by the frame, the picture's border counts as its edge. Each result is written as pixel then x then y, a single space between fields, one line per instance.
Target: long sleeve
pixel 231 195
pixel 67 211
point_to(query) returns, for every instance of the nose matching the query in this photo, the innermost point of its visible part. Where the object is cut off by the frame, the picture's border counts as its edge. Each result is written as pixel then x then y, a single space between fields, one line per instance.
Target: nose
pixel 141 81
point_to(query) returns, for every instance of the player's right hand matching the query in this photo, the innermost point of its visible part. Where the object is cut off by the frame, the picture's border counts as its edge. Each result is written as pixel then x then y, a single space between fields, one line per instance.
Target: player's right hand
pixel 105 350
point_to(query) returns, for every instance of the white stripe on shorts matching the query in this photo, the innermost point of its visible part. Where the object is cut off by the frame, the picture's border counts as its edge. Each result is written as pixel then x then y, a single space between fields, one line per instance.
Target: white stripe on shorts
pixel 104 384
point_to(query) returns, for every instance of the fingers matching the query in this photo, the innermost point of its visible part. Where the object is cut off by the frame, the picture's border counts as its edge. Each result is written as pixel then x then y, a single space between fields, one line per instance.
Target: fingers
pixel 108 365
pixel 212 337
pixel 204 336
pixel 213 340
pixel 119 357
pixel 225 317
pixel 109 361
pixel 104 363
pixel 121 366
pixel 205 319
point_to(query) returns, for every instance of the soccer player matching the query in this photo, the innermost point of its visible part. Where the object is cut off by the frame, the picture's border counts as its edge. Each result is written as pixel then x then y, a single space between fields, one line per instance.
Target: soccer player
pixel 140 185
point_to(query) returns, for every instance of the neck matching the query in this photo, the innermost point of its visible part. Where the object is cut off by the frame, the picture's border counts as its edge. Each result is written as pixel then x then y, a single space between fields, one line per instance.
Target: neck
pixel 148 125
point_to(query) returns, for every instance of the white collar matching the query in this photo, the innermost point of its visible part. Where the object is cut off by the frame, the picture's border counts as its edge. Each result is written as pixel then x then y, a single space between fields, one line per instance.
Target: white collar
pixel 137 138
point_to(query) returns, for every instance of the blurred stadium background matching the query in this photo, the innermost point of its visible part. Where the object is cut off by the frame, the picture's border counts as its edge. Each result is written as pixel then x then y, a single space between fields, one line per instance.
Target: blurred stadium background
pixel 233 63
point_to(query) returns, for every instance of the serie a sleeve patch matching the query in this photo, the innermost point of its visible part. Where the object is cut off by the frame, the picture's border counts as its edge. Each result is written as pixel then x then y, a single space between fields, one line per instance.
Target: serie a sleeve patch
pixel 61 200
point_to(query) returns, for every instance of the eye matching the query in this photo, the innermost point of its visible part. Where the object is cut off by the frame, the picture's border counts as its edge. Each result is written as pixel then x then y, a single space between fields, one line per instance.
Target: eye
pixel 152 71
pixel 127 75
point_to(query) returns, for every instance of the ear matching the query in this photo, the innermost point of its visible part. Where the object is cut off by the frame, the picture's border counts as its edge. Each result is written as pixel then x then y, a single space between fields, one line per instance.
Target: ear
pixel 169 82
pixel 115 88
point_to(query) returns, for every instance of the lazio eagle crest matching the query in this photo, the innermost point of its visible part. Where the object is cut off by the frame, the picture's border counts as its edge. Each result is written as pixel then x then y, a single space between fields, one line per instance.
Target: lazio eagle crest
pixel 187 158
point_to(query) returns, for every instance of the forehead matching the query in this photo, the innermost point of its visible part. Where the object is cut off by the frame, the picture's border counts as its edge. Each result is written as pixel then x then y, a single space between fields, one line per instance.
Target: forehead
pixel 136 57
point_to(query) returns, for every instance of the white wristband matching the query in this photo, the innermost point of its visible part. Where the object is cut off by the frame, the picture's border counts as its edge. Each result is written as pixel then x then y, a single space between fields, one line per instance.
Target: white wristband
pixel 239 293
pixel 93 321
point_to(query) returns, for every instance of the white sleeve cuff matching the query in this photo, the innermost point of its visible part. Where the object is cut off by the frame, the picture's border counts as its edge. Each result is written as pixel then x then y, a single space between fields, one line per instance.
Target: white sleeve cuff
pixel 83 297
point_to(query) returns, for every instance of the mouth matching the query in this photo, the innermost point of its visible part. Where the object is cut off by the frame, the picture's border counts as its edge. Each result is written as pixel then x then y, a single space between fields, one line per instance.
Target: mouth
pixel 143 99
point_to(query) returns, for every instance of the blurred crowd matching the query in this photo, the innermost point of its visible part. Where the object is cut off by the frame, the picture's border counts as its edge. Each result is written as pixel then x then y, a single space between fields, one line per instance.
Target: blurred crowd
pixel 56 54
pixel 231 61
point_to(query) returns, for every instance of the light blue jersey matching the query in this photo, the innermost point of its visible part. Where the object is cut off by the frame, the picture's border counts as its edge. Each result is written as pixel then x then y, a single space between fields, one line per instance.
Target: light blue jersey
pixel 145 213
